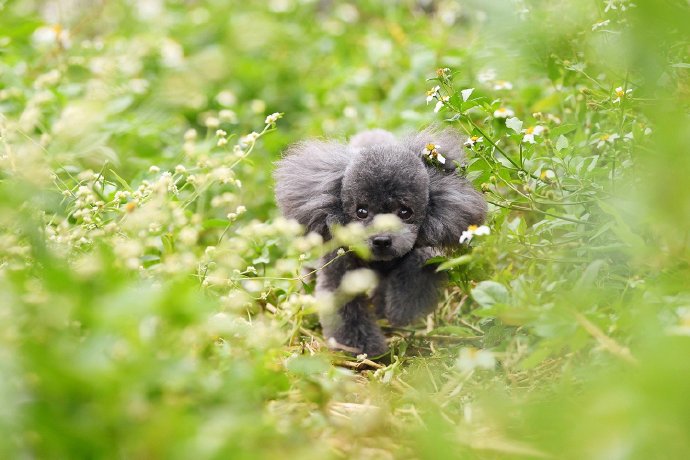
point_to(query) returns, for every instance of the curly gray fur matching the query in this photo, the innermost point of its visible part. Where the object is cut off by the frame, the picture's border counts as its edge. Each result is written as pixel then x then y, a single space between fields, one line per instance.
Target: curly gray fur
pixel 322 184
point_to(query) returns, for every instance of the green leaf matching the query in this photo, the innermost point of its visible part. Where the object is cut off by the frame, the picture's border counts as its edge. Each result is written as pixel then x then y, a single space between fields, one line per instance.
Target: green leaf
pixel 561 143
pixel 490 293
pixel 457 331
pixel 435 260
pixel 215 223
pixel 121 180
pixel 589 276
pixel 563 129
pixel 168 243
pixel 621 229
pixel 456 262
pixel 307 365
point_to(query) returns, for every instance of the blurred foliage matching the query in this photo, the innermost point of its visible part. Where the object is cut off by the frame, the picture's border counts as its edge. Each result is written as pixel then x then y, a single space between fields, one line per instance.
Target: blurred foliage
pixel 153 304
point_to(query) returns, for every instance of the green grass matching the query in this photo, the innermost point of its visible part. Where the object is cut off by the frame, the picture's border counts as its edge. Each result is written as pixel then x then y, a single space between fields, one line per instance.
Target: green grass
pixel 152 300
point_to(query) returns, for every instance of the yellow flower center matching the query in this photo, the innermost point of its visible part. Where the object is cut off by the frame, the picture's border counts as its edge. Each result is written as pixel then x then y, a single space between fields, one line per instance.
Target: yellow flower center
pixel 620 93
pixel 529 130
pixel 474 138
pixel 605 137
pixel 472 228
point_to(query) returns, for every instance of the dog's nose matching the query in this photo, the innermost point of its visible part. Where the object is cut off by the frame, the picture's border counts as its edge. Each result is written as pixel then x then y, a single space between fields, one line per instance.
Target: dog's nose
pixel 382 242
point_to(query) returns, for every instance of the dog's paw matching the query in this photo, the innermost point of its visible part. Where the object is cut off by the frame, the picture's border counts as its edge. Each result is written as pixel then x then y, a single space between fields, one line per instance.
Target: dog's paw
pixel 371 342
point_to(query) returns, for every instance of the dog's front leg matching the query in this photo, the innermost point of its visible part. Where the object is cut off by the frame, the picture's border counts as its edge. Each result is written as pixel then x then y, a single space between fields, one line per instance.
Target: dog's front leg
pixel 353 328
pixel 350 325
pixel 412 289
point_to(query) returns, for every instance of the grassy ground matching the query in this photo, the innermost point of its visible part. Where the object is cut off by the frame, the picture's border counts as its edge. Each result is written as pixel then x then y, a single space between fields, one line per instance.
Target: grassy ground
pixel 151 298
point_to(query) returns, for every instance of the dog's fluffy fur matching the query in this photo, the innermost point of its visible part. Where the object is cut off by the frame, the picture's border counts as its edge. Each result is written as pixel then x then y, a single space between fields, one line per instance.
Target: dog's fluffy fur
pixel 323 184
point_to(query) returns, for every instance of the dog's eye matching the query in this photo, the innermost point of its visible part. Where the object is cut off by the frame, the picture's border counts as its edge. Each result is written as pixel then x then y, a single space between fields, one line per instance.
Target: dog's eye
pixel 362 212
pixel 404 212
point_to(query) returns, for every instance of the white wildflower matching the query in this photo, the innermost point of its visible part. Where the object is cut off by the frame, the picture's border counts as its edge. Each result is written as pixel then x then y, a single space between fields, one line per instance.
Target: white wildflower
pixel 212 122
pixel 272 118
pixel 503 112
pixel 531 132
pixel 190 135
pixel 502 84
pixel 474 230
pixel 473 358
pixel 486 76
pixel 432 94
pixel 621 94
pixel 431 152
pixel 226 98
pixel 386 223
pixel 441 102
pixel 257 106
pixel 52 35
pixel 605 139
pixel 358 281
pixel 471 141
pixel 228 116
pixel 249 138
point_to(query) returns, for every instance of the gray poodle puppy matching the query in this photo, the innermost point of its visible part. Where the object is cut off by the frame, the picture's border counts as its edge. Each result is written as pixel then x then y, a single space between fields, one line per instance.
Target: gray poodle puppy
pixel 325 184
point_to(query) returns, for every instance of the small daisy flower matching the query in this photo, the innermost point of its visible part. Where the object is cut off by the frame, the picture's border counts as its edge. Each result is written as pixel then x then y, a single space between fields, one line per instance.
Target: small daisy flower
pixel 503 112
pixel 441 102
pixel 502 84
pixel 442 71
pixel 228 116
pixel 432 94
pixel 190 135
pixel 486 76
pixel 473 140
pixel 249 138
pixel 604 139
pixel 547 175
pixel 52 35
pixel 621 94
pixel 474 230
pixel 212 122
pixel 431 152
pixel 553 118
pixel 272 118
pixel 473 358
pixel 531 132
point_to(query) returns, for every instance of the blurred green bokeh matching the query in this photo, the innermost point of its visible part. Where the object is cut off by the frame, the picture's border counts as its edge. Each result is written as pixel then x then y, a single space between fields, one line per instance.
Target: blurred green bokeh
pixel 150 299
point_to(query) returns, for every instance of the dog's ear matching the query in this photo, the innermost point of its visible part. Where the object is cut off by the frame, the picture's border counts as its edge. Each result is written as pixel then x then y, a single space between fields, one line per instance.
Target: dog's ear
pixel 448 143
pixel 453 203
pixel 453 206
pixel 308 184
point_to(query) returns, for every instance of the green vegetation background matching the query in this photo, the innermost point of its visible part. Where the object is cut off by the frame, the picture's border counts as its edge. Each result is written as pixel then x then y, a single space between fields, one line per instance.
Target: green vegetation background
pixel 152 303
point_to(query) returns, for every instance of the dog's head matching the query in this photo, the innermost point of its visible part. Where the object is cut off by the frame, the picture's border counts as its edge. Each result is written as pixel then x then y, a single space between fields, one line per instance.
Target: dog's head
pixel 324 184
